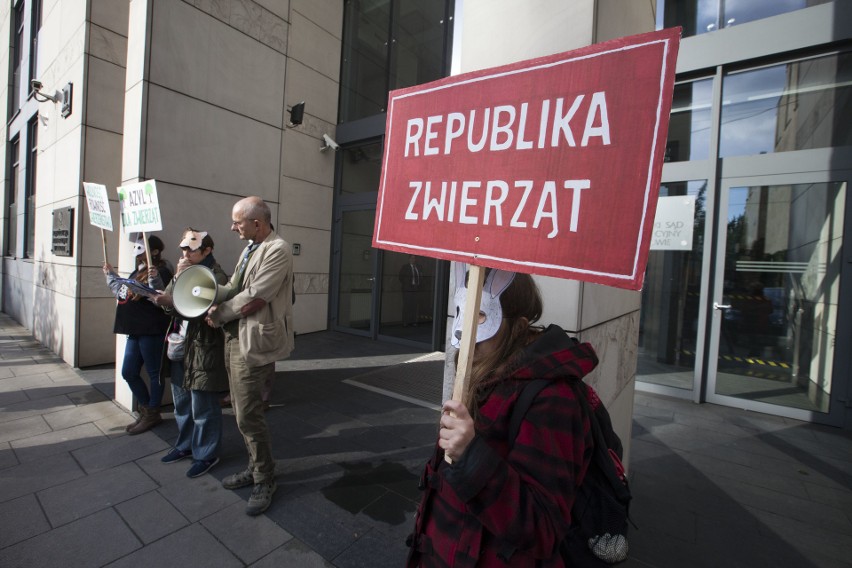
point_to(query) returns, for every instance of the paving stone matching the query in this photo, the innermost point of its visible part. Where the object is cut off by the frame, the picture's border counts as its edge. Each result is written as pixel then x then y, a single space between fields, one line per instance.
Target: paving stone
pixel 294 553
pixel 29 520
pixel 81 497
pixel 371 550
pixel 781 480
pixel 93 541
pixel 747 548
pixel 88 396
pixel 67 440
pixel 53 388
pixel 835 497
pixel 63 374
pixel 40 386
pixel 167 474
pixel 173 550
pixel 37 407
pixel 151 516
pixel 308 515
pixel 7 456
pixel 81 414
pixel 806 537
pixel 115 451
pixel 23 428
pixel 815 514
pixel 114 424
pixel 650 549
pixel 249 538
pixel 199 497
pixel 36 367
pixel 9 398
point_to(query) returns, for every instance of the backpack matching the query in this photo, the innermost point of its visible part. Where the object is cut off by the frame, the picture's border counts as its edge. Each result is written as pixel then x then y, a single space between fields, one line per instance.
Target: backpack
pixel 597 536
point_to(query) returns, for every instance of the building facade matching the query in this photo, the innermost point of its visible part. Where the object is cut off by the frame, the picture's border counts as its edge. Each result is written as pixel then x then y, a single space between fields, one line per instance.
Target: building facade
pixel 753 314
pixel 197 95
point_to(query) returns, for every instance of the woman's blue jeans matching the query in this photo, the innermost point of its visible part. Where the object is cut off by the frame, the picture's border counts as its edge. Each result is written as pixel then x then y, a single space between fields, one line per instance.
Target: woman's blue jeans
pixel 144 350
pixel 199 418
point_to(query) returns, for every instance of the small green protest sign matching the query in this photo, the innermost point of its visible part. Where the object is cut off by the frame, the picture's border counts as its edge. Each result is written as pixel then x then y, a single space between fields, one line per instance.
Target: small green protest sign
pixel 140 209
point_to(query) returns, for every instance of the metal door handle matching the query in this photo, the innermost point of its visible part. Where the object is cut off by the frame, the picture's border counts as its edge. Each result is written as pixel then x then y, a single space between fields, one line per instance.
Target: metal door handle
pixel 717 306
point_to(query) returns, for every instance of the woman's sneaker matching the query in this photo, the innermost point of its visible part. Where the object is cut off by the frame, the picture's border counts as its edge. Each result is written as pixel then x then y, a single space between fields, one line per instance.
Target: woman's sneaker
pixel 175 455
pixel 237 480
pixel 200 467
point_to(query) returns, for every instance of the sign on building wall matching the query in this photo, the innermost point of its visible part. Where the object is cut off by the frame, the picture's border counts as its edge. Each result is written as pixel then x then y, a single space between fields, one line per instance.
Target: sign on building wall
pixel 549 166
pixel 674 223
pixel 62 236
pixel 98 202
pixel 140 209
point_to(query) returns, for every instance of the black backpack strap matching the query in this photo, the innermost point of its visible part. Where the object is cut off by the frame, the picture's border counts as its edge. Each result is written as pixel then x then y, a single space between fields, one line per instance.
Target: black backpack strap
pixel 602 457
pixel 528 393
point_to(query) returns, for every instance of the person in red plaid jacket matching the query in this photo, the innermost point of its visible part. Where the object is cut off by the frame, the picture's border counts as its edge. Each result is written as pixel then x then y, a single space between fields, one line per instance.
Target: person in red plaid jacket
pixel 496 506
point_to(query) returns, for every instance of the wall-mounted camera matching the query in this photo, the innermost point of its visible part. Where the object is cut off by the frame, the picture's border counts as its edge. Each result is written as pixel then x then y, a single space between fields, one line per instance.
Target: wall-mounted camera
pixel 328 142
pixel 62 97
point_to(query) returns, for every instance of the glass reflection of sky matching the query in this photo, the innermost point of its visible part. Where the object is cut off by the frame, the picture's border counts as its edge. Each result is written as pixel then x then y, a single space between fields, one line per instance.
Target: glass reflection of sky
pixel 749 111
pixel 699 108
pixel 742 11
pixel 733 12
pixel 737 197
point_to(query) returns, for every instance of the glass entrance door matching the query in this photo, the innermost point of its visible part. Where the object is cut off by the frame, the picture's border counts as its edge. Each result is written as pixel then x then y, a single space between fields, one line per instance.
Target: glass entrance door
pixel 408 296
pixel 383 293
pixel 671 320
pixel 748 316
pixel 356 272
pixel 776 296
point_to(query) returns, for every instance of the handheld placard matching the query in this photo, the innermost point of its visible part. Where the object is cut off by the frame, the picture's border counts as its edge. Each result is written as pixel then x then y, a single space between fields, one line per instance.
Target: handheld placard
pixel 99 213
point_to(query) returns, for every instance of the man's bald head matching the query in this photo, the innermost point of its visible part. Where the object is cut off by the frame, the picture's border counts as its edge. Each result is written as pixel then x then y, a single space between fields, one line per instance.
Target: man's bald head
pixel 251 218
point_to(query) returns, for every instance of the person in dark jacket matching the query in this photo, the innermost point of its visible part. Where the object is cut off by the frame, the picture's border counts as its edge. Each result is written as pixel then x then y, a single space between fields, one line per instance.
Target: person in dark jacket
pixel 145 326
pixel 201 376
pixel 501 503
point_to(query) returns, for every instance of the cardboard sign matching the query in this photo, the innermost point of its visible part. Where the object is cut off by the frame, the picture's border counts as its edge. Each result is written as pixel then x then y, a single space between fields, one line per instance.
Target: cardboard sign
pixel 674 223
pixel 98 202
pixel 549 166
pixel 140 210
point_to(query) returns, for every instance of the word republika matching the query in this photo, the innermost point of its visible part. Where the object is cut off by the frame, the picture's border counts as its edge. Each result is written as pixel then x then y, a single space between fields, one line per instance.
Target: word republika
pixel 518 204
pixel 505 127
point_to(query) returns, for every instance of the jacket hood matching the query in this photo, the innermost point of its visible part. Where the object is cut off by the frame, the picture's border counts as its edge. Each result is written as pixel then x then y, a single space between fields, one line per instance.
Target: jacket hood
pixel 555 355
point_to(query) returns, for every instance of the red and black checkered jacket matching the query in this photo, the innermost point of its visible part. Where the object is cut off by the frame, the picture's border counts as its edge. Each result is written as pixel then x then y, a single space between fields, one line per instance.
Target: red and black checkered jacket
pixel 501 507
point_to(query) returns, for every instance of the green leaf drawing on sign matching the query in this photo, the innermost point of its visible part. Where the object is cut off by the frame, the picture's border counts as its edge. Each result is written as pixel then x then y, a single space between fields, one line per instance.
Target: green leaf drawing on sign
pixel 148 189
pixel 121 195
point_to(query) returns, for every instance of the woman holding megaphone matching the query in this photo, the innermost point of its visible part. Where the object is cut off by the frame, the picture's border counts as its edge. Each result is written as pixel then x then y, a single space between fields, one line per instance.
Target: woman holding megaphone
pixel 198 373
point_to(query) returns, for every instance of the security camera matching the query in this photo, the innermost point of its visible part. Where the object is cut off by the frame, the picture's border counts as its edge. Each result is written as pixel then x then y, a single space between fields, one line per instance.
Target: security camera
pixel 38 86
pixel 329 143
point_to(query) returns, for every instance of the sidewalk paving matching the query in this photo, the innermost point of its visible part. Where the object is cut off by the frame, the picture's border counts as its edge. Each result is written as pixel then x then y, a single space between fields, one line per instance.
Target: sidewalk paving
pixel 712 486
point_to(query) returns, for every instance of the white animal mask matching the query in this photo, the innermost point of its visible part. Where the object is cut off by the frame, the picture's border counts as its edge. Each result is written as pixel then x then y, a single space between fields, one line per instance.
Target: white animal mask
pixel 138 244
pixel 495 284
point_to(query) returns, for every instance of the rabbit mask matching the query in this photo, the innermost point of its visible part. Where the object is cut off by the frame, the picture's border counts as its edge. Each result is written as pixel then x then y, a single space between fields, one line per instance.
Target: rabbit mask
pixel 495 283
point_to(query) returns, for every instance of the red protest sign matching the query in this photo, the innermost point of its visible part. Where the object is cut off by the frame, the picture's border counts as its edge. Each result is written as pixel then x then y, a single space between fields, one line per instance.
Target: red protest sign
pixel 549 166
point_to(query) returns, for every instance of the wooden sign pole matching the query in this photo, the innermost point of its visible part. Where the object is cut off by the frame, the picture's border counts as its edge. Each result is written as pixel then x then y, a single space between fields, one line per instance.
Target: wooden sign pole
pixel 475 280
pixel 147 248
pixel 103 237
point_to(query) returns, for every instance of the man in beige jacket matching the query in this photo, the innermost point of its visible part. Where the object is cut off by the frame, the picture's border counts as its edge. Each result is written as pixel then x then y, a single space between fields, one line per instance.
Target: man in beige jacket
pixel 258 321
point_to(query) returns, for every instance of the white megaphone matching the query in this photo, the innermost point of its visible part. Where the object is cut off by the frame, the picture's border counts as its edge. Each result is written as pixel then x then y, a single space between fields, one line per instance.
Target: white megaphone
pixel 195 290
